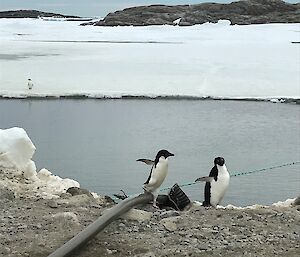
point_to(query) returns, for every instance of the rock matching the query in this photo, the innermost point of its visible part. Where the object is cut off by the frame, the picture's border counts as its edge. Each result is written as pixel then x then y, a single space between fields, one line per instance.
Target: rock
pixel 35 226
pixel 240 12
pixel 297 201
pixel 111 251
pixel 96 206
pixel 52 204
pixel 5 193
pixel 137 215
pixel 21 227
pixel 108 199
pixel 196 207
pixel 66 219
pixel 65 195
pixel 169 223
pixel 5 251
pixel 32 14
pixel 122 225
pixel 77 200
pixel 168 214
pixel 148 254
pixel 79 191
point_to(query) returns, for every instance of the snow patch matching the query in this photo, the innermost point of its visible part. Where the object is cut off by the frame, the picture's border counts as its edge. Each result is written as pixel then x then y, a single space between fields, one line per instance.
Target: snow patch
pixel 18 172
pixel 16 149
pixel 283 204
pixel 52 184
pixel 177 21
pixel 286 203
pixel 224 23
pixel 251 207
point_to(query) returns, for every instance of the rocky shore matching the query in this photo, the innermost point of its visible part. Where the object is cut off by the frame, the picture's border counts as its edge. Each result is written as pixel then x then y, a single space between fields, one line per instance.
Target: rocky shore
pixel 240 12
pixel 32 14
pixel 33 226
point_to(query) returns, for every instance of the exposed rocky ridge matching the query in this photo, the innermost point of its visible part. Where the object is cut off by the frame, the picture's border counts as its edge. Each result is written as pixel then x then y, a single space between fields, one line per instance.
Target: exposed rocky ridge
pixel 241 12
pixel 32 14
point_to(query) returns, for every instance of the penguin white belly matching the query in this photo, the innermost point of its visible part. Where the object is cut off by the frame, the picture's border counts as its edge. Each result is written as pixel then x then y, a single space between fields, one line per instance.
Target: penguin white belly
pixel 157 177
pixel 219 187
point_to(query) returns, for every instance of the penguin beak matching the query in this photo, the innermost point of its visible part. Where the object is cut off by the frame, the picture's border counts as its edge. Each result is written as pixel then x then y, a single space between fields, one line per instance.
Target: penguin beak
pixel 171 154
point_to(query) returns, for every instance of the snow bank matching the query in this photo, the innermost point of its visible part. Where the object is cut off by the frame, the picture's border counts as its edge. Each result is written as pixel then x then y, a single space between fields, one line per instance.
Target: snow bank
pixel 18 172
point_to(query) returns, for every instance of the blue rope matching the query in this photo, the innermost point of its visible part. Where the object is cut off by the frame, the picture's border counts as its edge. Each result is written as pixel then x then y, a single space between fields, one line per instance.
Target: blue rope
pixel 265 169
pixel 240 174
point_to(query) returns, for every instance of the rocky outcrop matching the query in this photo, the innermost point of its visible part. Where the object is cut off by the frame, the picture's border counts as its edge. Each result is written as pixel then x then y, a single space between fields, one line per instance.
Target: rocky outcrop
pixel 241 12
pixel 32 14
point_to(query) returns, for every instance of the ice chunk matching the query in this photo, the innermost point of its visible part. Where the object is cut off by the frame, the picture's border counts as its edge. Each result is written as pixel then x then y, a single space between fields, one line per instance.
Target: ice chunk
pixel 16 149
pixel 19 171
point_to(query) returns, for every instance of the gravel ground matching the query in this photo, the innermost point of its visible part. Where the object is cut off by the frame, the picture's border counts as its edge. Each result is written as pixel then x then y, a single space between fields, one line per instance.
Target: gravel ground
pixel 35 227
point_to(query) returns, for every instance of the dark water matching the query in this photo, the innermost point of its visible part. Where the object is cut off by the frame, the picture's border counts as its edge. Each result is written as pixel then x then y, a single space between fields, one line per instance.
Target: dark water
pixel 97 142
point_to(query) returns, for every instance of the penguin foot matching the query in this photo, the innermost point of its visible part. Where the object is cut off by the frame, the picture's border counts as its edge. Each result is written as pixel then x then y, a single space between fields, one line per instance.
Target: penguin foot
pixel 154 203
pixel 156 206
pixel 206 204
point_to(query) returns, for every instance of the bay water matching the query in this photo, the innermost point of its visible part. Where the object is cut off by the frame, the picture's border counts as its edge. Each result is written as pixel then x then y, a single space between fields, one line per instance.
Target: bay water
pixel 97 142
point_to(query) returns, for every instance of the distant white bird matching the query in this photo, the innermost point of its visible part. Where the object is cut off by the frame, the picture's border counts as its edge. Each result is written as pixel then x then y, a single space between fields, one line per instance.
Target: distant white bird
pixel 176 22
pixel 30 84
pixel 158 173
pixel 216 183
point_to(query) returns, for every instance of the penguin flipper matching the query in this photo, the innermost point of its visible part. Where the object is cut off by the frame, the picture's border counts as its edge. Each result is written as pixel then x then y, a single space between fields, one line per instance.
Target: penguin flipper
pixel 205 179
pixel 147 161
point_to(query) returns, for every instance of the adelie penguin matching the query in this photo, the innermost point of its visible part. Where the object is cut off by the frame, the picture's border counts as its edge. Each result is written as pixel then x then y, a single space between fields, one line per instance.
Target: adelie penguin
pixel 158 173
pixel 216 183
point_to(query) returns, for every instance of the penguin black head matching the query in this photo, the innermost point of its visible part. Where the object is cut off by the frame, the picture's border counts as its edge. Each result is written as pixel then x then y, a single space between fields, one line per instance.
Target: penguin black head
pixel 164 153
pixel 219 160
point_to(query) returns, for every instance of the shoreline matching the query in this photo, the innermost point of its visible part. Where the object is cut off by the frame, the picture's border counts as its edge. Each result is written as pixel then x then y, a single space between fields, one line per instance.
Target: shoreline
pixel 43 225
pixel 191 72
pixel 83 96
